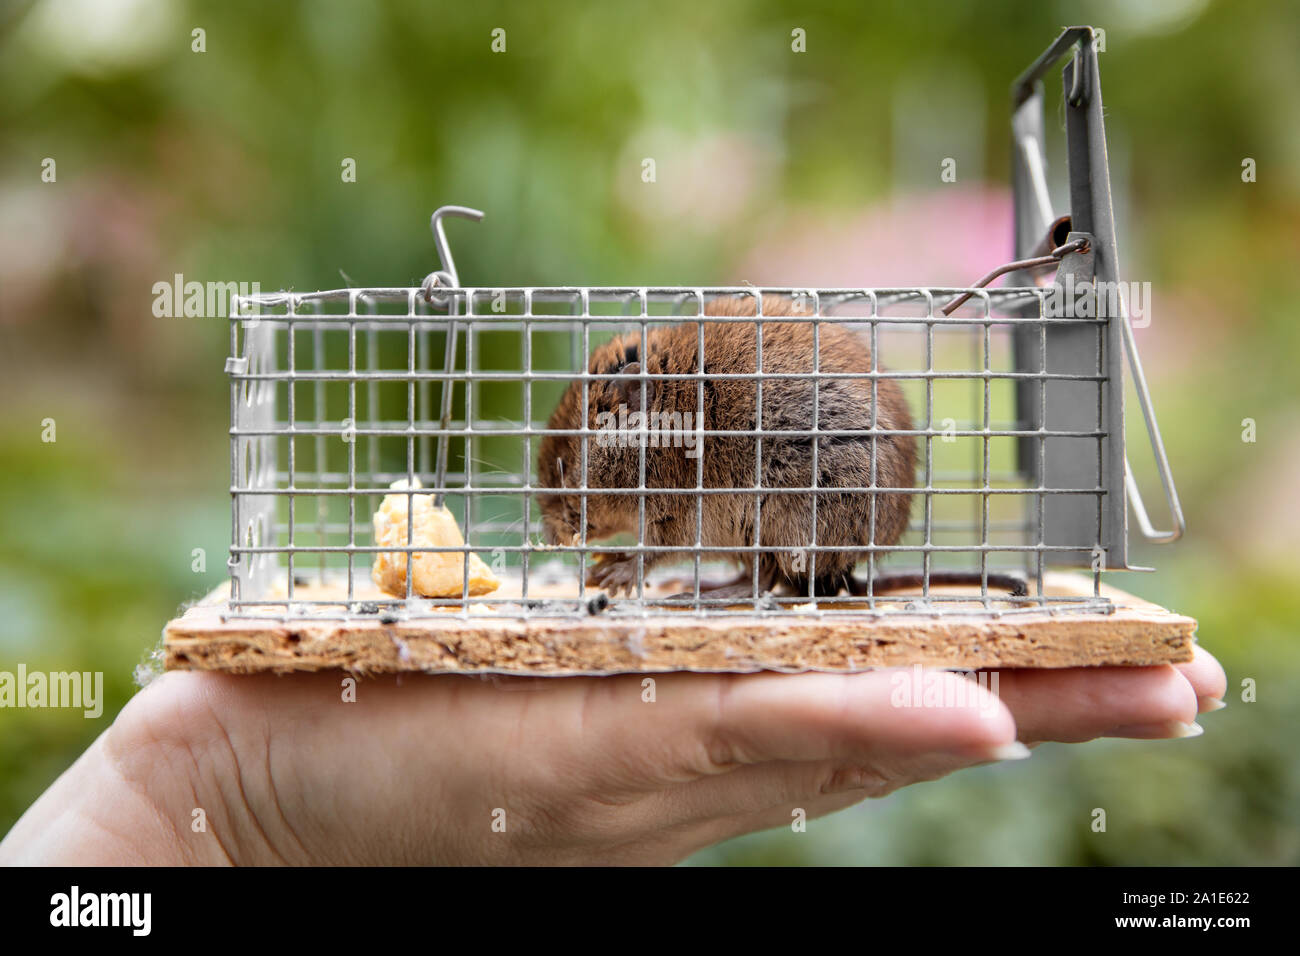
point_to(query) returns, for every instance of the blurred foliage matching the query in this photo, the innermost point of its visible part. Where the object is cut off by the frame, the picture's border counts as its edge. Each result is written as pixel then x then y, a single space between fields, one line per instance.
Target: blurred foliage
pixel 226 165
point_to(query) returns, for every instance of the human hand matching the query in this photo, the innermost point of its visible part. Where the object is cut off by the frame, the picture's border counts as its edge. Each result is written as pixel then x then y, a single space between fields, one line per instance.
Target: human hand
pixel 579 770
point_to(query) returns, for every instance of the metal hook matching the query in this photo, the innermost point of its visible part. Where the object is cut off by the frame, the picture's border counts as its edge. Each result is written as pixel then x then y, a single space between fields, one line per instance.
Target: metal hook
pixel 1050 258
pixel 446 276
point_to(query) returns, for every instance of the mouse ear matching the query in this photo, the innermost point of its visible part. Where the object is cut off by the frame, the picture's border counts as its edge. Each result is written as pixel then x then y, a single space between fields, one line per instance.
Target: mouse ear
pixel 630 387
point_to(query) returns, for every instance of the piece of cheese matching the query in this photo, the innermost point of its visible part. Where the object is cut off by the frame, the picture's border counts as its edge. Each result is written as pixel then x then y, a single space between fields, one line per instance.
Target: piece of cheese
pixel 435 574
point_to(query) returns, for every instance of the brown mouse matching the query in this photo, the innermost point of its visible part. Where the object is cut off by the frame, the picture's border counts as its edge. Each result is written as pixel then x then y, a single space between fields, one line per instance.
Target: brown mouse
pixel 785 521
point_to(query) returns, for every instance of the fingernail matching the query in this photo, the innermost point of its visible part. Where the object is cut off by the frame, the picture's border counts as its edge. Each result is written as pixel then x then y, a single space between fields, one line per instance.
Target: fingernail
pixel 1012 751
pixel 1169 730
pixel 1211 703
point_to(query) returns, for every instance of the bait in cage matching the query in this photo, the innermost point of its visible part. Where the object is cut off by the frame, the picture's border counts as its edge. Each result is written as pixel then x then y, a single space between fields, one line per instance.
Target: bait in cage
pixel 598 480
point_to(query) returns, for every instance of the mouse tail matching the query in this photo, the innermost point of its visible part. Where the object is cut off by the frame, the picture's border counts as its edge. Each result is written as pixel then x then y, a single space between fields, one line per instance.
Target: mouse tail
pixel 909 580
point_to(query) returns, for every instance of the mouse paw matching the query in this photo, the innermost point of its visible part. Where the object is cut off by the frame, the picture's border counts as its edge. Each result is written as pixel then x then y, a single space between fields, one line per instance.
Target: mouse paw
pixel 616 574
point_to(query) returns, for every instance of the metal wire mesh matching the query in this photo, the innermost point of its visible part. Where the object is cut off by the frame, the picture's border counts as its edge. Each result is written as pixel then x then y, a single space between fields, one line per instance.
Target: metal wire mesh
pixel 336 395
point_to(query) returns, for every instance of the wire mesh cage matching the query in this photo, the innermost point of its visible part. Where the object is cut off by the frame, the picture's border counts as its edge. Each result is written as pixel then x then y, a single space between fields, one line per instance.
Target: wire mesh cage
pixel 340 399
pixel 852 453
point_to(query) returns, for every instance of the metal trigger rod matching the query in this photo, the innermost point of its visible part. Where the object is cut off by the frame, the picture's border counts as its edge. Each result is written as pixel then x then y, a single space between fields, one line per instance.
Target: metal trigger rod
pixel 1051 258
pixel 445 277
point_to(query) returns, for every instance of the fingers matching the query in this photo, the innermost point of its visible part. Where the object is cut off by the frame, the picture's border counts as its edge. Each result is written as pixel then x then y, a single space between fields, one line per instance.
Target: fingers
pixel 1207 678
pixel 704 725
pixel 755 790
pixel 709 811
pixel 1078 704
pixel 667 825
pixel 808 806
pixel 860 749
pixel 718 756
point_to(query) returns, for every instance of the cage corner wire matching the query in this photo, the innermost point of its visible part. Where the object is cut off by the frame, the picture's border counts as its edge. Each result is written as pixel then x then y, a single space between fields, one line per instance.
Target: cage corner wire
pixel 1020 414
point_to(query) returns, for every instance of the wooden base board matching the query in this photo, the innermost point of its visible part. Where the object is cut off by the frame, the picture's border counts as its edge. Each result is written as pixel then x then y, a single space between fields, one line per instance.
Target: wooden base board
pixel 1135 633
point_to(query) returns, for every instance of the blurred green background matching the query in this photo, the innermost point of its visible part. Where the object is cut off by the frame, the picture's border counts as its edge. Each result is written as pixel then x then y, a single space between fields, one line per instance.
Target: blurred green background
pixel 816 168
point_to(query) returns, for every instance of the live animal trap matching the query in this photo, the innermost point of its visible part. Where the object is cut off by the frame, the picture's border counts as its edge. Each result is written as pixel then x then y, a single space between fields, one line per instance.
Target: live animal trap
pixel 371 428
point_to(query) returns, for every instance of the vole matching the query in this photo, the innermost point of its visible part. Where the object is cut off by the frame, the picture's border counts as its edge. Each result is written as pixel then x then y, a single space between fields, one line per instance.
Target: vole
pixel 785 521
